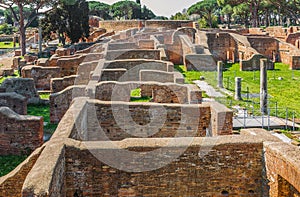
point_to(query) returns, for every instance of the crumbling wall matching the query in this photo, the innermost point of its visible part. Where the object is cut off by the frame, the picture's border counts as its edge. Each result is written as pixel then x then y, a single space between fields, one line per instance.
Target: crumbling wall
pixel 120 120
pixel 61 101
pixel 222 46
pixel 160 92
pixel 133 54
pixel 19 134
pixel 221 119
pixel 129 70
pixel 229 172
pixel 266 46
pixel 59 84
pixel 121 46
pixel 14 101
pixel 41 75
pixel 282 169
pixel 254 63
pixel 12 183
pixel 155 75
pixel 22 86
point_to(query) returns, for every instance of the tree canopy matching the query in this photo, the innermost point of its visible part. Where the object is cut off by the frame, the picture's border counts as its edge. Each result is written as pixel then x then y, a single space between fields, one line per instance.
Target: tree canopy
pixel 67 19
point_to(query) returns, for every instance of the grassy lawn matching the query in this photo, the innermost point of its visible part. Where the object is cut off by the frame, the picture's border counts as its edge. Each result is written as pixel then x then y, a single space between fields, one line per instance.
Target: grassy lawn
pixel 7 45
pixel 10 162
pixel 42 110
pixel 283 93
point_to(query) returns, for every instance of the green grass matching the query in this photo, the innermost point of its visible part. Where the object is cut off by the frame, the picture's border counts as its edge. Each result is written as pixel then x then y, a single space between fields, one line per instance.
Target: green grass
pixel 16 74
pixel 7 45
pixel 42 110
pixel 8 163
pixel 135 96
pixel 45 96
pixel 283 92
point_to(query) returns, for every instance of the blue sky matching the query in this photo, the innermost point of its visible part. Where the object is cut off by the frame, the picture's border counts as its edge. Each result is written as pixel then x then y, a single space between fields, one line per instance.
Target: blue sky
pixel 162 7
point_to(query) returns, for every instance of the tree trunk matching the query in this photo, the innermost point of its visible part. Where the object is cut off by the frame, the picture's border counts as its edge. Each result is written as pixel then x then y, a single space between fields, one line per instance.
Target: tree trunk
pixel 22 30
pixel 229 20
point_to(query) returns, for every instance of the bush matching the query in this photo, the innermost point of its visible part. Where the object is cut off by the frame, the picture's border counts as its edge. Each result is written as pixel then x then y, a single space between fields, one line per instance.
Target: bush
pixel 6 29
pixel 204 24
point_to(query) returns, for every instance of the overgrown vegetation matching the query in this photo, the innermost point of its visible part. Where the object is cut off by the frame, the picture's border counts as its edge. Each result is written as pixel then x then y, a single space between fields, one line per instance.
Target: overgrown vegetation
pixel 42 110
pixel 10 162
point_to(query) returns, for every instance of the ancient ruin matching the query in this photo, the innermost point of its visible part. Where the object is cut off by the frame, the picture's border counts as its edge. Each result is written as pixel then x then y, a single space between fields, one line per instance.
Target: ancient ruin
pixel 172 145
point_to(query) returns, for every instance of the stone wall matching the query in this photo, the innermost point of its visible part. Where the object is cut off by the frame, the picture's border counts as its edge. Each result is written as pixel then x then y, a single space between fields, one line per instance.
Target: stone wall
pixel 292 38
pixel 59 84
pixel 113 75
pixel 221 119
pixel 22 86
pixel 19 134
pixel 282 168
pixel 133 54
pixel 119 25
pixel 200 62
pixel 254 63
pixel 12 183
pixel 133 68
pixel 160 92
pixel 146 44
pixel 121 46
pixel 120 120
pixel 222 46
pixel 61 101
pixel 266 46
pixel 159 76
pixel 14 101
pixel 168 24
pixel 124 25
pixel 228 172
pixel 41 75
pixel 84 72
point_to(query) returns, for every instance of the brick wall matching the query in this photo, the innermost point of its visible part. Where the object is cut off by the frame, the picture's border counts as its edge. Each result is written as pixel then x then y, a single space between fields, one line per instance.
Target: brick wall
pixel 119 25
pixel 179 120
pixel 133 68
pixel 61 101
pixel 12 183
pixel 121 46
pixel 41 75
pixel 282 168
pixel 222 46
pixel 19 134
pixel 219 171
pixel 22 86
pixel 59 84
pixel 266 46
pixel 254 63
pixel 221 119
pixel 133 54
pixel 14 101
pixel 155 75
pixel 160 92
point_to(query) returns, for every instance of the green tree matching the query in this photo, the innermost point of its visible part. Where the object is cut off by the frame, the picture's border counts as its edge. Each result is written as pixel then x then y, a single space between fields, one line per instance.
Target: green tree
pixel 179 16
pixel 21 5
pixel 147 13
pixel 206 9
pixel 126 9
pixel 99 9
pixel 241 12
pixel 227 11
pixel 68 20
